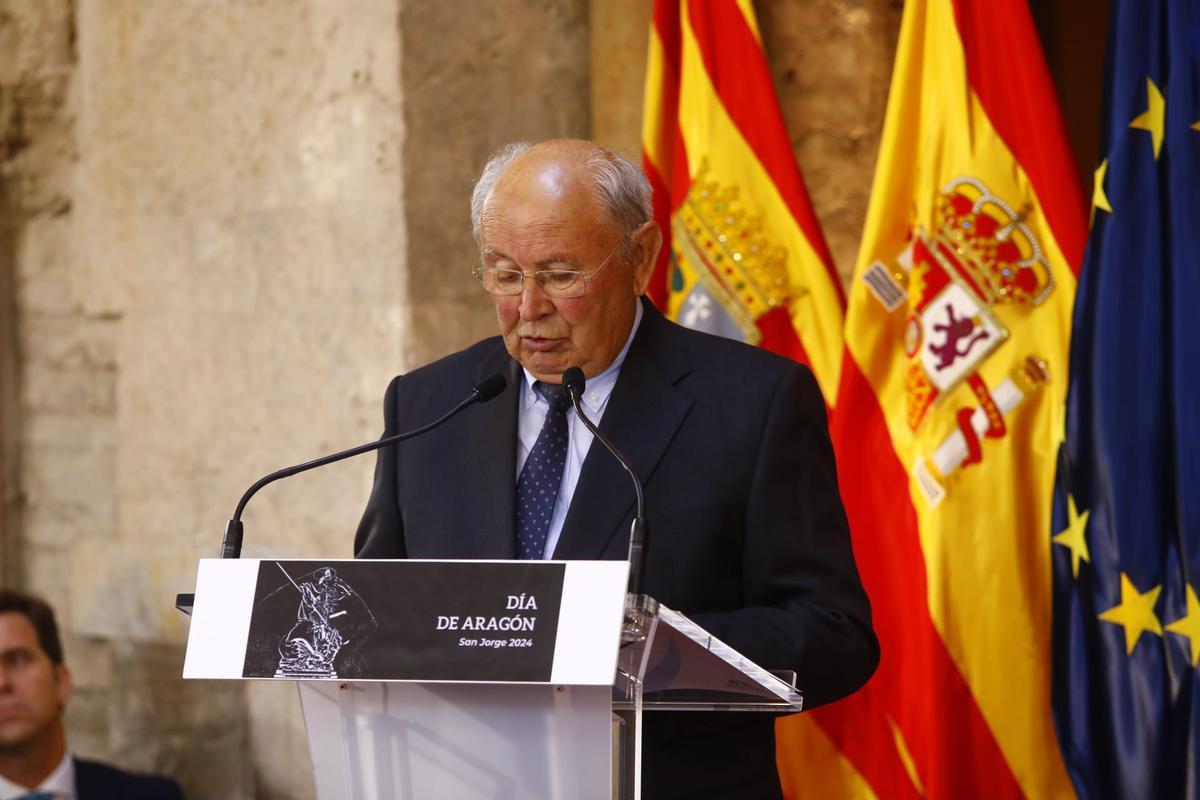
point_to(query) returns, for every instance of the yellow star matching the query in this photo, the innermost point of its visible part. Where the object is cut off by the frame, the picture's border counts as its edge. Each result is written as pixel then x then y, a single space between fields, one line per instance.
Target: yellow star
pixel 1099 198
pixel 1189 626
pixel 1073 537
pixel 1135 613
pixel 1152 118
pixel 1196 125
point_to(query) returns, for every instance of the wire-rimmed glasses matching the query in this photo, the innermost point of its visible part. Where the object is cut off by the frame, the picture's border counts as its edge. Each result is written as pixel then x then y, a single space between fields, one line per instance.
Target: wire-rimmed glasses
pixel 556 283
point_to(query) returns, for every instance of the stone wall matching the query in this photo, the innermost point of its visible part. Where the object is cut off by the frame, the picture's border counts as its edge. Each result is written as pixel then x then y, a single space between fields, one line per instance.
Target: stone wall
pixel 223 227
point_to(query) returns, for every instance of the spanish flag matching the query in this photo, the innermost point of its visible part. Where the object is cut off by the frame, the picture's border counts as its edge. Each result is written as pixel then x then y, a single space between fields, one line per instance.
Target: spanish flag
pixel 950 411
pixel 746 258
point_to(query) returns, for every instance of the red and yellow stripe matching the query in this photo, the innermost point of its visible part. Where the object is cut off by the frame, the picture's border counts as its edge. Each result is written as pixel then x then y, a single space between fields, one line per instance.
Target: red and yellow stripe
pixel 711 116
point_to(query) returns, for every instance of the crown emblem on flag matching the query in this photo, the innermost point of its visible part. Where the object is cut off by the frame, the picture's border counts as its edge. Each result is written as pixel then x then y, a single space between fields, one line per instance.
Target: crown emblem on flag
pixel 979 258
pixel 995 248
pixel 728 268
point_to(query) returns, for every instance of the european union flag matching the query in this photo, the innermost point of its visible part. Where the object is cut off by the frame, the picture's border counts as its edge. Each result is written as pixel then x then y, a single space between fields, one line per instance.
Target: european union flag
pixel 1126 518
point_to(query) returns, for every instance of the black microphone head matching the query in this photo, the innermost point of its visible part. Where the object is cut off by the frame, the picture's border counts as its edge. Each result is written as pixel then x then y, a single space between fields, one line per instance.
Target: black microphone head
pixel 490 386
pixel 574 381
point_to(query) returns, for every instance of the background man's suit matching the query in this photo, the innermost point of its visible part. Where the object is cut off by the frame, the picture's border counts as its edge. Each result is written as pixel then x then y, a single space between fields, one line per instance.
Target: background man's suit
pixel 96 781
pixel 747 533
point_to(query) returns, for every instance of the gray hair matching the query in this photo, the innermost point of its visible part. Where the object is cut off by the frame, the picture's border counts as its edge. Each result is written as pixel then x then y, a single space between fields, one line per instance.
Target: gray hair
pixel 622 189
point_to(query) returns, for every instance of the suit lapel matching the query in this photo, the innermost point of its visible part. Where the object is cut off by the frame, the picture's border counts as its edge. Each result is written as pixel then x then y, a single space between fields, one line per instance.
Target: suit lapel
pixel 486 485
pixel 643 414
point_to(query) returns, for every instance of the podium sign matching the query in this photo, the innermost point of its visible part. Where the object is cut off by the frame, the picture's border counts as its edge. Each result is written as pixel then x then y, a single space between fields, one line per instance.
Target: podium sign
pixel 465 679
pixel 549 622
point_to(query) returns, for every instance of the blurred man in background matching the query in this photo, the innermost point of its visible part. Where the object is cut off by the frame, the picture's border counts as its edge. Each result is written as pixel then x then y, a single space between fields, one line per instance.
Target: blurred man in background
pixel 35 762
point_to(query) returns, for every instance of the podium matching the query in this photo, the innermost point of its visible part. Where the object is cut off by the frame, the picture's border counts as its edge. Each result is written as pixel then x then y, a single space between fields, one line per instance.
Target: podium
pixel 468 679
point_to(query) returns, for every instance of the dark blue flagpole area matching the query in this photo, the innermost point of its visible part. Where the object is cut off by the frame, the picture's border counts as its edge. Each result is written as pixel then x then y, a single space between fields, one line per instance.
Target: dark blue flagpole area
pixel 1125 529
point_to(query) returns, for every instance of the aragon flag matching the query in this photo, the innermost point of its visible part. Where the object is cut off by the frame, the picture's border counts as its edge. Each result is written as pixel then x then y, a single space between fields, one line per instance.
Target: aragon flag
pixel 949 410
pixel 743 254
pixel 1125 530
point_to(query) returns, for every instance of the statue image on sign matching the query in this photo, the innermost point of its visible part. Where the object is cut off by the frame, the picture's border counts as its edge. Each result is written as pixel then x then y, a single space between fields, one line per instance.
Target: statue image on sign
pixel 309 649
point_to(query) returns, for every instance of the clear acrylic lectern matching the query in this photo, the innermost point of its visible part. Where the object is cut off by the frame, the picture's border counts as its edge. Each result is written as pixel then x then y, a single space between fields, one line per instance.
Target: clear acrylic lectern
pixel 573 732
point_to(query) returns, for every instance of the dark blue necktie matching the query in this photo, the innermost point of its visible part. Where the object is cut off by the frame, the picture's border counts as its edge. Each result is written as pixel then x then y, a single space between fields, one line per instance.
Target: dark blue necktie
pixel 537 488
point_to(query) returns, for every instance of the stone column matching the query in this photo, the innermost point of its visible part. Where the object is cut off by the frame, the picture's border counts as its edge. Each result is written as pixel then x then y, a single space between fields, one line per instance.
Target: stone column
pixel 832 64
pixel 239 225
pixel 10 540
pixel 620 40
pixel 36 62
pixel 229 225
pixel 477 74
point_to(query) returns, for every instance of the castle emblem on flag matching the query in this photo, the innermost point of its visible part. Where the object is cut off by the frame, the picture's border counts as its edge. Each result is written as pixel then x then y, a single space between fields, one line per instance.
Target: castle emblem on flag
pixel 979 257
pixel 725 269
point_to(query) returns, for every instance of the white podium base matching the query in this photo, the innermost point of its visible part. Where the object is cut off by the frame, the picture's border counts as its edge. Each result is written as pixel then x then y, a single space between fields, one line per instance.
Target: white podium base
pixel 390 741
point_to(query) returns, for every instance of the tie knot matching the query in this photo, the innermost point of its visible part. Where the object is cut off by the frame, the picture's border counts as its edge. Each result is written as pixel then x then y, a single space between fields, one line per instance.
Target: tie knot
pixel 555 394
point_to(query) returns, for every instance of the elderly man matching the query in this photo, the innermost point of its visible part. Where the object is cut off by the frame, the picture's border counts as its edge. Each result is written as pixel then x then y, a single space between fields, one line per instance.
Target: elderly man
pixel 34 686
pixel 748 534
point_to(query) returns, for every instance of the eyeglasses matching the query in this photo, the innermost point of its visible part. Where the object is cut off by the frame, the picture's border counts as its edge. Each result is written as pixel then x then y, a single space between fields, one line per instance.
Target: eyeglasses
pixel 556 283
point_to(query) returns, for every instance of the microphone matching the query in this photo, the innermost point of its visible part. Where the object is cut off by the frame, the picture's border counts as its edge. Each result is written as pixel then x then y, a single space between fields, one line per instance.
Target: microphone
pixel 574 382
pixel 231 546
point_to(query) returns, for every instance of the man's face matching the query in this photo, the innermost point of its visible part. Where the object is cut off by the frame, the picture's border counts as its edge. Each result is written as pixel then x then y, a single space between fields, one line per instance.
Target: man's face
pixel 33 691
pixel 542 214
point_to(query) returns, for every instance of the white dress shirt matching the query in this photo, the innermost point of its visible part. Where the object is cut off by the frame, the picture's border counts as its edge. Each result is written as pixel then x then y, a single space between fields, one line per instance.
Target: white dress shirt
pixel 531 415
pixel 60 783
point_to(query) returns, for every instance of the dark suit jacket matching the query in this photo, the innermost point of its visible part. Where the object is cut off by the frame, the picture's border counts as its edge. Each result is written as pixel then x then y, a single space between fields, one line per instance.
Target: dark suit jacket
pixel 96 781
pixel 748 536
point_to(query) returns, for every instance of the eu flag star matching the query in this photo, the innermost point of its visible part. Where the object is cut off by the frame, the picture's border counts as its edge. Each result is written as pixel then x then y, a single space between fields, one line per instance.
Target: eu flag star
pixel 1189 626
pixel 1074 536
pixel 1151 120
pixel 1099 197
pixel 1135 612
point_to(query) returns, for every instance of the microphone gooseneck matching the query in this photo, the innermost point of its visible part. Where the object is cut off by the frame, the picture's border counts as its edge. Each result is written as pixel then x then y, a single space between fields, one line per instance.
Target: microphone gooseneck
pixel 231 546
pixel 574 382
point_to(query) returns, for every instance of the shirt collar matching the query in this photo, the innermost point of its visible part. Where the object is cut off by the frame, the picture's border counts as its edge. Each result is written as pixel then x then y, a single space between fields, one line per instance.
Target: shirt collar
pixel 596 393
pixel 60 782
